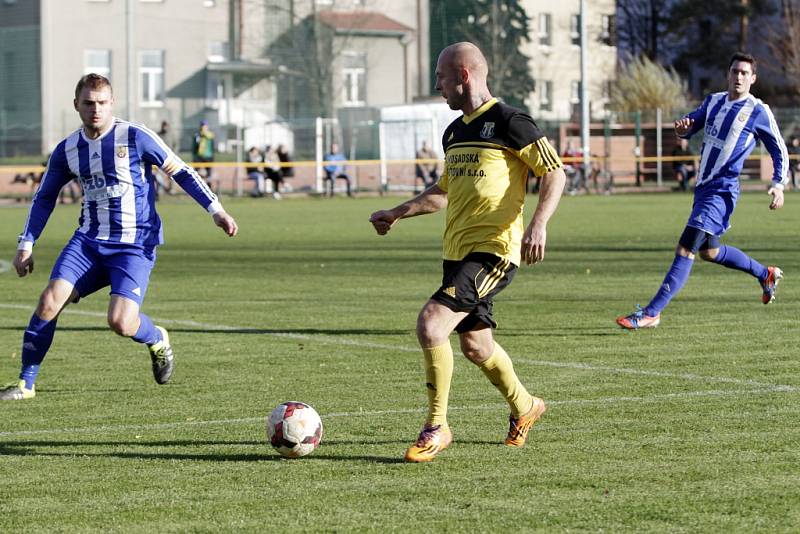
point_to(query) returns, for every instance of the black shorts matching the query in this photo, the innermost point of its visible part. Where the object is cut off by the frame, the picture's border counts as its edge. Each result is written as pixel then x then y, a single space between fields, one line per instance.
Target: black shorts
pixel 469 285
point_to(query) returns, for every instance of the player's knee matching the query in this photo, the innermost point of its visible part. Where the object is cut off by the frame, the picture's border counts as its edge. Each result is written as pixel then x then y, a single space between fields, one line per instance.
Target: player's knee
pixel 49 306
pixel 427 332
pixel 709 254
pixel 122 325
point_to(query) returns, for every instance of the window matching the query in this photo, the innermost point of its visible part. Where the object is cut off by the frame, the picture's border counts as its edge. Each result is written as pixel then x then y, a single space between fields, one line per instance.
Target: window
pixel 546 96
pixel 608 30
pixel 575 29
pixel 355 78
pixel 545 26
pixel 575 92
pixel 217 51
pixel 608 89
pixel 151 78
pixel 97 61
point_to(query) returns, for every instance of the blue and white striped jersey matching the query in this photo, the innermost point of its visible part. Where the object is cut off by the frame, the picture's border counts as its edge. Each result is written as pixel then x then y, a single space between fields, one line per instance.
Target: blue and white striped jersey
pixel 115 173
pixel 730 132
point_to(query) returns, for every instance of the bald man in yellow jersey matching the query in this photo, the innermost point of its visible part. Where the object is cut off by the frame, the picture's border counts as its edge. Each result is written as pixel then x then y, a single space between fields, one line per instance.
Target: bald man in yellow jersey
pixel 488 152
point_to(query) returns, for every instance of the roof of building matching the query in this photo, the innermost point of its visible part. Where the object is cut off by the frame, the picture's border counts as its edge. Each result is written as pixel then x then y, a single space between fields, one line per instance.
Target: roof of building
pixel 363 22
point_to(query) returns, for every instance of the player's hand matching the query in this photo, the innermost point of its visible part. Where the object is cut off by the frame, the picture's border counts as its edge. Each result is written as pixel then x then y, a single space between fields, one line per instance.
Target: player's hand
pixel 23 262
pixel 226 222
pixel 382 221
pixel 533 243
pixel 777 198
pixel 683 125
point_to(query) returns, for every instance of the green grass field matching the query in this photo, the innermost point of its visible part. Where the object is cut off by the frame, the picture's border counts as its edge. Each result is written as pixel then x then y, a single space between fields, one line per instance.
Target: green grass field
pixel 692 427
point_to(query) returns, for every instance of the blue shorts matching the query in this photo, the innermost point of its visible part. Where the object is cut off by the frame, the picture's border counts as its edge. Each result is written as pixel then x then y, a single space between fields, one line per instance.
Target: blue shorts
pixel 89 266
pixel 712 211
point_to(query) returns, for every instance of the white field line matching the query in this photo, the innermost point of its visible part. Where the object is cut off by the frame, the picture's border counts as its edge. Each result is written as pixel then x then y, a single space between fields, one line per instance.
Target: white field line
pixel 381 413
pixel 320 338
pixel 5 266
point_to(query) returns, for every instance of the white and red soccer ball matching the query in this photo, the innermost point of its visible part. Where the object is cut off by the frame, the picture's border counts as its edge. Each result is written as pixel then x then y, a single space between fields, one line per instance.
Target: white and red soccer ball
pixel 294 429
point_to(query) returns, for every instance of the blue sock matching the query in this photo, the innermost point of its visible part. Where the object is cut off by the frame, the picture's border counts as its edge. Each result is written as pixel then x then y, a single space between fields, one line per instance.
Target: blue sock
pixel 676 276
pixel 147 332
pixel 35 343
pixel 733 258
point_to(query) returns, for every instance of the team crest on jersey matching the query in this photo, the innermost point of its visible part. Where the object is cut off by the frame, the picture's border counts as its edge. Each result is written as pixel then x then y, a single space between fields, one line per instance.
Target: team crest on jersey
pixel 122 151
pixel 741 117
pixel 487 132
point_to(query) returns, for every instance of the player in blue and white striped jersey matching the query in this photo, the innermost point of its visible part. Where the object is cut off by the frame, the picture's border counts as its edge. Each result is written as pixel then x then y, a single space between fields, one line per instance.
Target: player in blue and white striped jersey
pixel 731 121
pixel 118 229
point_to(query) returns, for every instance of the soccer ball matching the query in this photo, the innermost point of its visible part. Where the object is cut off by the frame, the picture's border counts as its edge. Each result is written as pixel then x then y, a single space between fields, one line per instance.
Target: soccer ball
pixel 294 429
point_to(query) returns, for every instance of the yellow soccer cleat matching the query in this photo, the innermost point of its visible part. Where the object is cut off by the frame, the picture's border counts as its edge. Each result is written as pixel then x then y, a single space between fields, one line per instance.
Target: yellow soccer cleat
pixel 17 391
pixel 518 428
pixel 431 441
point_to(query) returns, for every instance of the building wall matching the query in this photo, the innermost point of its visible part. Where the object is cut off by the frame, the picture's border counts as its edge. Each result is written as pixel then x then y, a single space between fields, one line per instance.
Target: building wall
pixel 559 62
pixel 80 25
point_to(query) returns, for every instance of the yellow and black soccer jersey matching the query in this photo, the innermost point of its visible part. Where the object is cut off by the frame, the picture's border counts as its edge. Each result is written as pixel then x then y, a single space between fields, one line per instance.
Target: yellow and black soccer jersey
pixel 487 157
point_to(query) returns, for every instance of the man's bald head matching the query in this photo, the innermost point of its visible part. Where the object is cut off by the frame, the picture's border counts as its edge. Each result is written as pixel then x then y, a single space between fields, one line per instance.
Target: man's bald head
pixel 465 55
pixel 461 74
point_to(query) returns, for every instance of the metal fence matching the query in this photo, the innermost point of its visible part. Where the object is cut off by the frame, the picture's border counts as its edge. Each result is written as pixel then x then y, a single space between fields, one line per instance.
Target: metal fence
pixel 626 150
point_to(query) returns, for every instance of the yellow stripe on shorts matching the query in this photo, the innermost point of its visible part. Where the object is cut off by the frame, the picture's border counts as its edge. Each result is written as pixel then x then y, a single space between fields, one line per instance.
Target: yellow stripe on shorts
pixel 492 278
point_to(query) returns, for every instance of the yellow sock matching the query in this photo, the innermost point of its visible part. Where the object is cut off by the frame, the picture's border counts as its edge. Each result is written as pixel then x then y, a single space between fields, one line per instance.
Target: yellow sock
pixel 438 372
pixel 500 372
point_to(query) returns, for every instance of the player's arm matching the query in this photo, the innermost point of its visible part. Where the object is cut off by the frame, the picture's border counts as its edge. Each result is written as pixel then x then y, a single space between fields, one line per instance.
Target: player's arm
pixel 540 156
pixel 535 236
pixel 56 176
pixel 156 152
pixel 693 122
pixel 766 129
pixel 429 201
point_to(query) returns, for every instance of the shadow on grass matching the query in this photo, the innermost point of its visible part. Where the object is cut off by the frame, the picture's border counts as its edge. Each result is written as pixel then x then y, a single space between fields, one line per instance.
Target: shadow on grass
pixel 288 332
pixel 30 448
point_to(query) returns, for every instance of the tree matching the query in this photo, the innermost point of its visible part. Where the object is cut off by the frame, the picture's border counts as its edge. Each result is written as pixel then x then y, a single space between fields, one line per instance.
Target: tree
pixel 642 27
pixel 643 85
pixel 498 28
pixel 710 32
pixel 784 44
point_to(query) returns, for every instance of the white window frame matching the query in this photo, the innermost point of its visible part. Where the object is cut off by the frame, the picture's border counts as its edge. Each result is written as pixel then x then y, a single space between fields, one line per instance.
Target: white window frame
pixel 351 78
pixel 97 69
pixel 605 29
pixel 147 77
pixel 214 57
pixel 545 95
pixel 575 91
pixel 354 78
pixel 545 26
pixel 575 29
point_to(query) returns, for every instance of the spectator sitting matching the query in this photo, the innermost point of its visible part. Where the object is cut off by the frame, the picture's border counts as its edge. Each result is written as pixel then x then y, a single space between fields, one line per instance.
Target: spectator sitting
pixel 573 169
pixel 273 169
pixel 287 171
pixel 427 172
pixel 793 147
pixel 336 171
pixel 684 168
pixel 255 172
